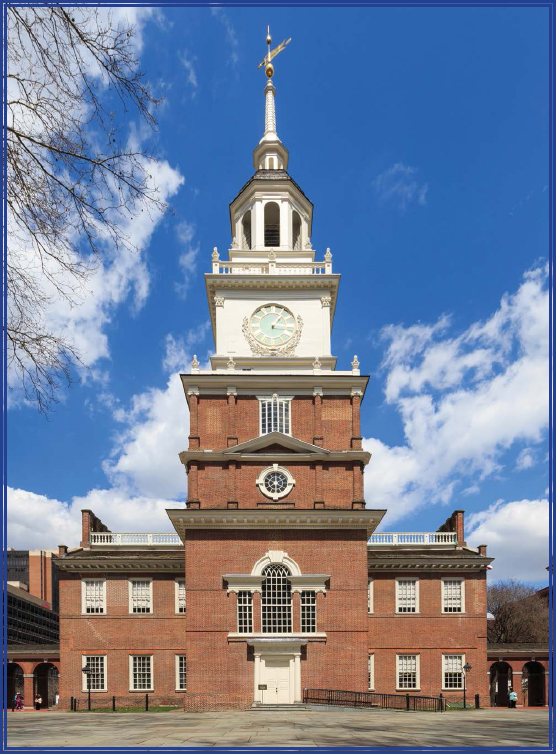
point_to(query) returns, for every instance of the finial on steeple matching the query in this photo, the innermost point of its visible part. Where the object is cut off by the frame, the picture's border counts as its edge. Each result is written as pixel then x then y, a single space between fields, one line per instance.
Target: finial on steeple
pixel 268 67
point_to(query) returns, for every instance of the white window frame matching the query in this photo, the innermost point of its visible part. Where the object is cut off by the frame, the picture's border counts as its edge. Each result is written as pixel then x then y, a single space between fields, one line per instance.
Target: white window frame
pixel 461 579
pixel 453 654
pixel 407 578
pixel 177 583
pixel 84 661
pixel 312 630
pixel 249 604
pixel 178 672
pixel 84 596
pixel 417 670
pixel 131 673
pixel 261 398
pixel 130 581
pixel 371 596
pixel 371 670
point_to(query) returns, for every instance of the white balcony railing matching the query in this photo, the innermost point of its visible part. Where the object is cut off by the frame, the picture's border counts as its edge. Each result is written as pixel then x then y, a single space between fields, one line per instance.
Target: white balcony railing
pixel 414 538
pixel 271 268
pixel 133 538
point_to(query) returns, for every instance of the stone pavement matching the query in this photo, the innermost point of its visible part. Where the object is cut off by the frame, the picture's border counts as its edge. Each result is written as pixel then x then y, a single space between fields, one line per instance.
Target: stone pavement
pixel 318 726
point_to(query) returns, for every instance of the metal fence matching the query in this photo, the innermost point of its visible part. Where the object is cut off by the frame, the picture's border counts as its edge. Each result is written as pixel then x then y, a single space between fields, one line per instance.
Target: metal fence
pixel 371 699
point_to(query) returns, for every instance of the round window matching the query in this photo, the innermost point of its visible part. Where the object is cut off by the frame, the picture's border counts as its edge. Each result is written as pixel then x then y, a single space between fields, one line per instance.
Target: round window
pixel 275 482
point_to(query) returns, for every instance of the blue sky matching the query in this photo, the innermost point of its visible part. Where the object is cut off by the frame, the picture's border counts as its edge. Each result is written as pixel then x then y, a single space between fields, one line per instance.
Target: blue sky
pixel 421 137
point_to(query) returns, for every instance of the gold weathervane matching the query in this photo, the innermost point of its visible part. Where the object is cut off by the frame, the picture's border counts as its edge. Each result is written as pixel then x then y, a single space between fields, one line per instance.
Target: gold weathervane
pixel 269 68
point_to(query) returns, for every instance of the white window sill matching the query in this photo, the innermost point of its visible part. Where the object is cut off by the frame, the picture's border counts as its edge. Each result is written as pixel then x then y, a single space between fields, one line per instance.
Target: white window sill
pixel 408 691
pixel 405 614
pixel 94 691
pixel 236 636
pixel 141 691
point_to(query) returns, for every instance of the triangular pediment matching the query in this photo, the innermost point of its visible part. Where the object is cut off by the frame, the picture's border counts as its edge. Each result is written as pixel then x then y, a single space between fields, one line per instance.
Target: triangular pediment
pixel 275 443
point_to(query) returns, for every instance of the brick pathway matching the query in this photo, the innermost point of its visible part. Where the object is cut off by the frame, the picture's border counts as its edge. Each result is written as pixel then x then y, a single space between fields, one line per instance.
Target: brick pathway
pixel 317 727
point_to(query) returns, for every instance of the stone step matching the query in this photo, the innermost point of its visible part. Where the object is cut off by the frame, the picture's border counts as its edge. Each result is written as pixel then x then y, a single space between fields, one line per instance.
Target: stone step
pixel 258 707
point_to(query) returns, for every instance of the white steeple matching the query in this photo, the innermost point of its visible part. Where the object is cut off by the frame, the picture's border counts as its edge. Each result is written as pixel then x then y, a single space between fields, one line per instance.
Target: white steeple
pixel 270 154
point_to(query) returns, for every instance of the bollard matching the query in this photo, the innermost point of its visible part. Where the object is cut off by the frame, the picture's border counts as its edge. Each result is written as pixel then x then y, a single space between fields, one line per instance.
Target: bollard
pixel 113 704
pixel 477 701
pixel 146 702
pixel 407 702
pixel 71 703
pixel 441 703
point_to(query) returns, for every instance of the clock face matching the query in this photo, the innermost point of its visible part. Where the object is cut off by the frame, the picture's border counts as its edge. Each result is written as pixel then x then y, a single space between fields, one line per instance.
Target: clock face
pixel 272 325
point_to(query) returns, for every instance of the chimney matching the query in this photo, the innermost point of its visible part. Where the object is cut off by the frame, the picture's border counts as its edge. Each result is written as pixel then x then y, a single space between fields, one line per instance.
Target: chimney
pixel 62 551
pixel 482 550
pixel 457 517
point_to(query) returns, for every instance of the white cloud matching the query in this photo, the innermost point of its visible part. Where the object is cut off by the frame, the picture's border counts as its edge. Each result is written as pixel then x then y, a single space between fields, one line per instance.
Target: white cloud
pixel 231 35
pixel 517 537
pixel 188 62
pixel 37 521
pixel 399 186
pixel 526 459
pixel 188 258
pixel 463 401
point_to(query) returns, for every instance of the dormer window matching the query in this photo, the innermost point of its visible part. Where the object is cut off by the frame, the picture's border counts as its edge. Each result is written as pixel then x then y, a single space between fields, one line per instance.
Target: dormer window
pixel 271 224
pixel 246 230
pixel 275 415
pixel 296 231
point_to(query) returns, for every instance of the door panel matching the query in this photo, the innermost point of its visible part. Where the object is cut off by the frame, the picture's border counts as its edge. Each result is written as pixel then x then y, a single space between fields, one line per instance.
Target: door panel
pixel 277 679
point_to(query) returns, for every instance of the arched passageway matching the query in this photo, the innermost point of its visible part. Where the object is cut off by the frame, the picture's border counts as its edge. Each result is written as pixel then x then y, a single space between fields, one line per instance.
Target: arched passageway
pixel 532 686
pixel 500 683
pixel 14 678
pixel 46 684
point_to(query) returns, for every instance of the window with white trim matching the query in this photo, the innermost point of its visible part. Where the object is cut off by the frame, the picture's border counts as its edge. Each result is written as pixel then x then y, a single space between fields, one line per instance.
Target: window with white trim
pixel 371 671
pixel 308 612
pixel 407 598
pixel 180 596
pixel 140 595
pixel 97 676
pixel 453 595
pixel 93 596
pixel 276 600
pixel 452 671
pixel 370 596
pixel 181 673
pixel 407 672
pixel 275 415
pixel 141 673
pixel 244 612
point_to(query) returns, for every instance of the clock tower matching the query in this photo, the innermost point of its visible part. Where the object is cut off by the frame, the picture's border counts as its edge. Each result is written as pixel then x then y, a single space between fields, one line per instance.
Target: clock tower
pixel 275 527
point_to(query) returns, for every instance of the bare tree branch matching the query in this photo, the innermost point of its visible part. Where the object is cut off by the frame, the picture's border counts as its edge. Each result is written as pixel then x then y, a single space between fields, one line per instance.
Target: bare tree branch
pixel 520 614
pixel 72 180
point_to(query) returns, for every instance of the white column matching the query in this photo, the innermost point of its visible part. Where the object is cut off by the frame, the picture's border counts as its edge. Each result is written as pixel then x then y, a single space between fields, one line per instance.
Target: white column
pixel 257 693
pixel 326 344
pixel 297 678
pixel 257 231
pixel 285 225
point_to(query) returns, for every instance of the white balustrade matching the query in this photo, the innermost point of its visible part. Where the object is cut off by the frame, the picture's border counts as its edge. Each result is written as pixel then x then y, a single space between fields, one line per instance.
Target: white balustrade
pixel 134 538
pixel 414 538
pixel 272 268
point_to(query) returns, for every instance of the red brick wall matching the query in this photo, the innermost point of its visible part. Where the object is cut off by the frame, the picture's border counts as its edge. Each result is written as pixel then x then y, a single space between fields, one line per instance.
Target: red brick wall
pixel 429 633
pixel 215 487
pixel 222 673
pixel 214 420
pixel 118 635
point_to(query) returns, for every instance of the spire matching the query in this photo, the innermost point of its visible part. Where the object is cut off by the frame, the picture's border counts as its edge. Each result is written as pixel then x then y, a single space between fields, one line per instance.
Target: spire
pixel 270 153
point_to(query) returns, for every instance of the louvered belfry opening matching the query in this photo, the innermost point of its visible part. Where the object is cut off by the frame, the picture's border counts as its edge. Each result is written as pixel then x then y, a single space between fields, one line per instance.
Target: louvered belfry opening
pixel 276 600
pixel 271 224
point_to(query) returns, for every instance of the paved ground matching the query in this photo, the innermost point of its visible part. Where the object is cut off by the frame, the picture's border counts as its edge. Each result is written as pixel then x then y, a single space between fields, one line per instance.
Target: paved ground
pixel 320 727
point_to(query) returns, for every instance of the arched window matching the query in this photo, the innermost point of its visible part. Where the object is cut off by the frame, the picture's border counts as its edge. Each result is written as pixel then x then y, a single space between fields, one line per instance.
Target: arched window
pixel 271 224
pixel 276 600
pixel 296 230
pixel 246 230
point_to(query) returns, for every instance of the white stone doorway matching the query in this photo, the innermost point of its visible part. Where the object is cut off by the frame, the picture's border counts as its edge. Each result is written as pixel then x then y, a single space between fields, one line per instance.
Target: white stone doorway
pixel 277 670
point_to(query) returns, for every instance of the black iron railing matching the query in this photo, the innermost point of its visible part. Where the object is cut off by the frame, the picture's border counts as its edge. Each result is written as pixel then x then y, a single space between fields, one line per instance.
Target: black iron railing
pixel 371 699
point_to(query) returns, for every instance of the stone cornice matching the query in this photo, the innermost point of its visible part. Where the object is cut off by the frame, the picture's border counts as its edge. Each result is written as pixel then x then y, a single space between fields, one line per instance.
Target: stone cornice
pixel 249 518
pixel 219 456
pixel 432 562
pixel 121 563
pixel 215 383
pixel 248 582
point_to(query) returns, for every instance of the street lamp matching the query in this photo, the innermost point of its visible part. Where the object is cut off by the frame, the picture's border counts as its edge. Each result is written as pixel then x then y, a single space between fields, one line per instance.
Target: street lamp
pixel 88 671
pixel 466 669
